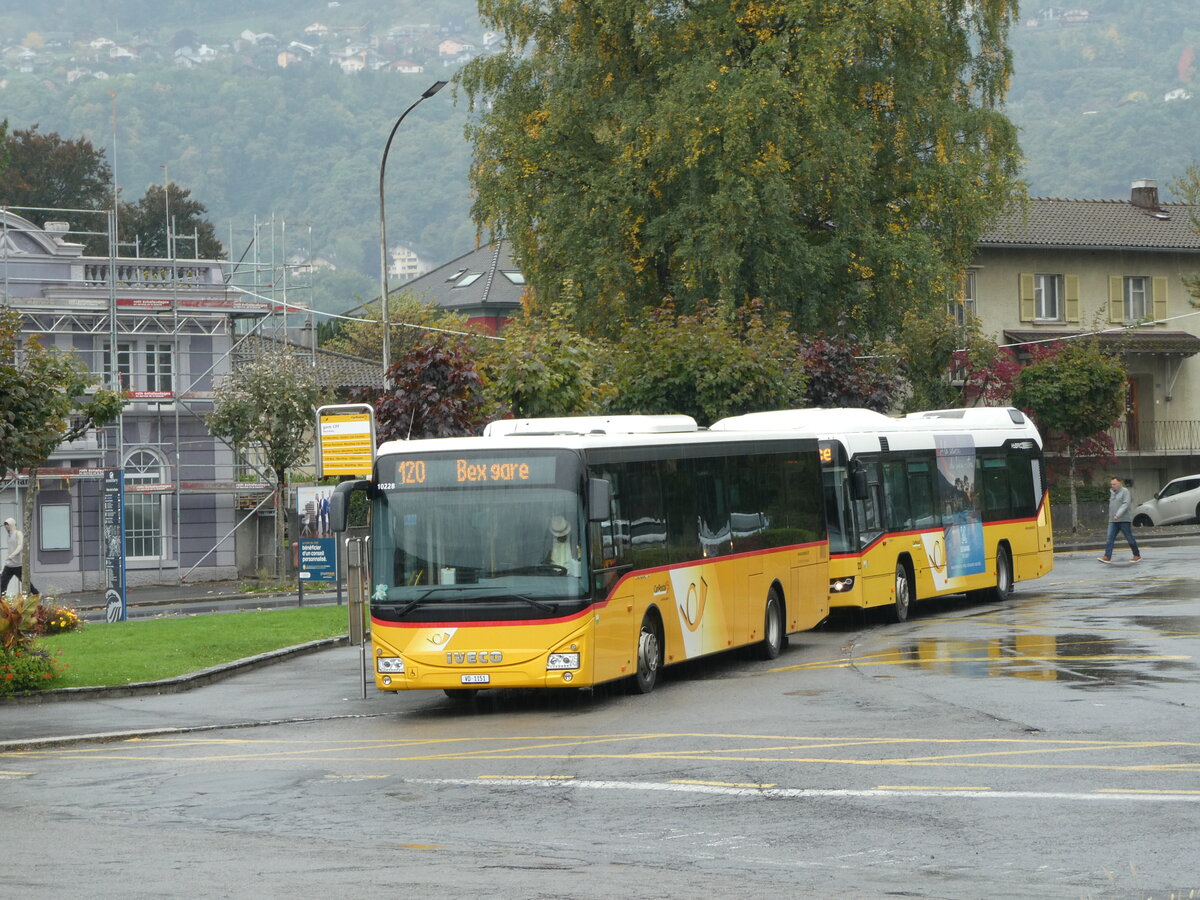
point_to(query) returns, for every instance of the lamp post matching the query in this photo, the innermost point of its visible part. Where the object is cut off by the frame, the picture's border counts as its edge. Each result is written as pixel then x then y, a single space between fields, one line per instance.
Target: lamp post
pixel 383 262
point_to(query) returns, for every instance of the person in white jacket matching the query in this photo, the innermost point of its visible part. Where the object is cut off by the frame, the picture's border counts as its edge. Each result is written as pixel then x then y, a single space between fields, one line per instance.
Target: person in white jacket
pixel 12 562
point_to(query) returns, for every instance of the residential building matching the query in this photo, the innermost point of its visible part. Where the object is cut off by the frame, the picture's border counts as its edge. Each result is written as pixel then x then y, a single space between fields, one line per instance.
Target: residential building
pixel 485 285
pixel 1058 269
pixel 163 330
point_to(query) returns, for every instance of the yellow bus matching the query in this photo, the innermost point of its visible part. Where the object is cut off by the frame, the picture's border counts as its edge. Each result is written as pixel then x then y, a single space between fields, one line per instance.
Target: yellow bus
pixel 570 552
pixel 929 504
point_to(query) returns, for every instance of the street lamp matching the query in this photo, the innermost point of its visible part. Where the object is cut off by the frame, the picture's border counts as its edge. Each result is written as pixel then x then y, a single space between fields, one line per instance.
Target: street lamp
pixel 383 264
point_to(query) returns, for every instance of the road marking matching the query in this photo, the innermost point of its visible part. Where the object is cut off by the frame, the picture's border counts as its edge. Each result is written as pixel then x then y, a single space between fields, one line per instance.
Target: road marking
pixel 790 753
pixel 777 793
pixel 1008 658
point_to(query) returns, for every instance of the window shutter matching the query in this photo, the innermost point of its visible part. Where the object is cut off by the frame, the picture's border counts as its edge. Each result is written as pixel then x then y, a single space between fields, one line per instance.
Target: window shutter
pixel 1160 298
pixel 1028 310
pixel 1071 289
pixel 1116 299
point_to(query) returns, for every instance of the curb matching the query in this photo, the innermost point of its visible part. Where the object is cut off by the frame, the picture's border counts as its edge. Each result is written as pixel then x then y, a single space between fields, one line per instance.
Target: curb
pixel 179 683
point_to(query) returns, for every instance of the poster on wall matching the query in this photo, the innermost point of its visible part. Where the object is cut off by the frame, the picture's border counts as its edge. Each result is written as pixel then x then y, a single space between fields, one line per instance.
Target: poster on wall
pixel 318 547
pixel 112 536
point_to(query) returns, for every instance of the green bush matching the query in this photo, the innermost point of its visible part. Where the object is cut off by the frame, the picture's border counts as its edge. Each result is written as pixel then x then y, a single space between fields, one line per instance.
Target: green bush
pixel 1085 493
pixel 26 670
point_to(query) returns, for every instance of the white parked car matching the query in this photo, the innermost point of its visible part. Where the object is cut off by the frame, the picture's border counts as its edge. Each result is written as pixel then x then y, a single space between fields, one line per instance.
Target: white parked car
pixel 1176 501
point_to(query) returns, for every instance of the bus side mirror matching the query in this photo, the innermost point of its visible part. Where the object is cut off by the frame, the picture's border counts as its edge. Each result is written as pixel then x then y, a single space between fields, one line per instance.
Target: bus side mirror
pixel 599 500
pixel 858 480
pixel 339 503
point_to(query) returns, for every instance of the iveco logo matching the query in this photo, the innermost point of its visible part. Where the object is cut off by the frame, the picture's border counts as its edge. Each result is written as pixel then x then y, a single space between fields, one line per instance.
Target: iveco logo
pixel 474 656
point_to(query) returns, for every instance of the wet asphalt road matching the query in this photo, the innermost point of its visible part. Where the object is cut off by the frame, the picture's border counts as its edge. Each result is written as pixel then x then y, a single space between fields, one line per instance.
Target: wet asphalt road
pixel 1046 747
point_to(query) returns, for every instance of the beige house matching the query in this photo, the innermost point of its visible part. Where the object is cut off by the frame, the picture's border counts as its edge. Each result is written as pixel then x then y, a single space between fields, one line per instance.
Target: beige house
pixel 1062 268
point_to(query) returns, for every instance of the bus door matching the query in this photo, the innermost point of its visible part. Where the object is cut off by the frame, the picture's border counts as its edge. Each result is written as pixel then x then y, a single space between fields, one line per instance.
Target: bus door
pixel 878 560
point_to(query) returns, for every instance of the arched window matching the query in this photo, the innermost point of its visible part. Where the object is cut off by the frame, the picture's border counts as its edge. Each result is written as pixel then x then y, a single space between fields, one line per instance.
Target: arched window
pixel 144 508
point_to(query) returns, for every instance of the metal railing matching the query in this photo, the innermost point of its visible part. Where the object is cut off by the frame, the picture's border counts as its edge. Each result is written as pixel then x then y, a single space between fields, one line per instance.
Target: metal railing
pixel 1158 437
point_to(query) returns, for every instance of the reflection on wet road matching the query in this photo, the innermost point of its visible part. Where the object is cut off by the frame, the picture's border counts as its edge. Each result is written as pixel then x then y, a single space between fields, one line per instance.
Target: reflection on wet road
pixel 1124 626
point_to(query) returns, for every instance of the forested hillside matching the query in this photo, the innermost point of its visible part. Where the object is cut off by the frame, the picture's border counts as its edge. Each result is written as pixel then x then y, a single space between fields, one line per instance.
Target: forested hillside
pixel 303 143
pixel 1090 95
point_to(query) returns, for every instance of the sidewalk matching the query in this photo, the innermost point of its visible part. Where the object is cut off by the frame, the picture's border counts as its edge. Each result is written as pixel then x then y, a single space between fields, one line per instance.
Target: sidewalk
pixel 321 680
pixel 198 595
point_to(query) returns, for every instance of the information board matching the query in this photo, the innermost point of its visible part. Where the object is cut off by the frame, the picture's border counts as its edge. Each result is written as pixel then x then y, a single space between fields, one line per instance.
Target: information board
pixel 345 440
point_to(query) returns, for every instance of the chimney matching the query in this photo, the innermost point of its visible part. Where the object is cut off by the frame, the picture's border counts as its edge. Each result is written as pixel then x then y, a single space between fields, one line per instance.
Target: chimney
pixel 1144 194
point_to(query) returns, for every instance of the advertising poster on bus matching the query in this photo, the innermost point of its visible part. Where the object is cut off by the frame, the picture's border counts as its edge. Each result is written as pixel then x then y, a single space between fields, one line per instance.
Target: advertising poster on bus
pixel 962 524
pixel 318 549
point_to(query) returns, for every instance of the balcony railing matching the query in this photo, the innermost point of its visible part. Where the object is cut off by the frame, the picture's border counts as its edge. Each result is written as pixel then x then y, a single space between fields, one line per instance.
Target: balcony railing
pixel 1157 438
pixel 156 274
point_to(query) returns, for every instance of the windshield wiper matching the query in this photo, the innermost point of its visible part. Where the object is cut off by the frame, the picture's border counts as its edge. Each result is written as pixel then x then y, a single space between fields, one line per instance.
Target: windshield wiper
pixel 531 569
pixel 545 607
pixel 417 601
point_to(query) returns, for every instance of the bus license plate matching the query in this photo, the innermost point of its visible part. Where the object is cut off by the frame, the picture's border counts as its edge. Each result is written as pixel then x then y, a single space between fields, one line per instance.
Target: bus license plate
pixel 476 679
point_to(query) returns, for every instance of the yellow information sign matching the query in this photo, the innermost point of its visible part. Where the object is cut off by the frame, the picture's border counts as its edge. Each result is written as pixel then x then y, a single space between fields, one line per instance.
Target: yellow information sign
pixel 346 440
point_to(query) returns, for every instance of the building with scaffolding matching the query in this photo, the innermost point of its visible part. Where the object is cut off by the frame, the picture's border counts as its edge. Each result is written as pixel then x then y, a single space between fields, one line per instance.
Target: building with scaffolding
pixel 166 331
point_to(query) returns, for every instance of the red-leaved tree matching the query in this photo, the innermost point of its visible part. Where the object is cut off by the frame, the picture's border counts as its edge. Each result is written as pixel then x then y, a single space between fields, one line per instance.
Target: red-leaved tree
pixel 433 390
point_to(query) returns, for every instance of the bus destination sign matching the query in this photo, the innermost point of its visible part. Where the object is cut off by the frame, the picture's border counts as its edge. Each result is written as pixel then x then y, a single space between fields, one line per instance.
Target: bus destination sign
pixel 447 471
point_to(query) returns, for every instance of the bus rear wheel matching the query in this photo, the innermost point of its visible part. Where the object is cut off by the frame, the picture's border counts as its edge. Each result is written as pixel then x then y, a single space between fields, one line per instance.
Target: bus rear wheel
pixel 649 655
pixel 1004 577
pixel 774 637
pixel 904 593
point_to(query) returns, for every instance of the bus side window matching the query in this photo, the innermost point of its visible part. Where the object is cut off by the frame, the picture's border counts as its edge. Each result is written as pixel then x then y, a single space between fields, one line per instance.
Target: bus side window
pixel 920 494
pixel 1024 498
pixel 996 494
pixel 895 492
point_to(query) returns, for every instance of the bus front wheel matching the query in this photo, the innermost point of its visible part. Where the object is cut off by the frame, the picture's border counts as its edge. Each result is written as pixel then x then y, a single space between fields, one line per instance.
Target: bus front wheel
pixel 904 593
pixel 649 655
pixel 773 630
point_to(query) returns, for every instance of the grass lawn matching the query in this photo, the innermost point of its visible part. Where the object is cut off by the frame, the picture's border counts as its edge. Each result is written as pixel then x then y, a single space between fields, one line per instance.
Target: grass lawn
pixel 152 649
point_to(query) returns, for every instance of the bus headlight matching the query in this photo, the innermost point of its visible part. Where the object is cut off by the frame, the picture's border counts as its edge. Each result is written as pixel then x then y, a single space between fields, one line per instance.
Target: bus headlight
pixel 562 661
pixel 841 585
pixel 391 664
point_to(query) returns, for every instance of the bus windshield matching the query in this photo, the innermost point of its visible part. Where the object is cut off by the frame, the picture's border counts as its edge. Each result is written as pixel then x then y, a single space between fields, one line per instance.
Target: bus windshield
pixel 451 536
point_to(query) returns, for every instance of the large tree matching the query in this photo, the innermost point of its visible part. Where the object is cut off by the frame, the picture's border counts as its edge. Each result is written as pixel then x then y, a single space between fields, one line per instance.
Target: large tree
pixel 49 172
pixel 47 398
pixel 840 157
pixel 706 365
pixel 268 406
pixel 144 225
pixel 433 390
pixel 45 172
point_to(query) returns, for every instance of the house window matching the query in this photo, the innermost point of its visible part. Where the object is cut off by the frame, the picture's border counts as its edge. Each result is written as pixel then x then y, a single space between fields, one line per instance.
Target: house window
pixel 124 363
pixel 1137 305
pixel 962 307
pixel 1047 296
pixel 144 510
pixel 158 367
